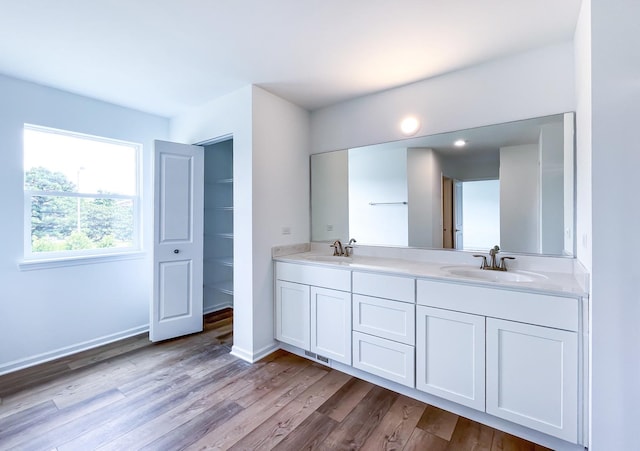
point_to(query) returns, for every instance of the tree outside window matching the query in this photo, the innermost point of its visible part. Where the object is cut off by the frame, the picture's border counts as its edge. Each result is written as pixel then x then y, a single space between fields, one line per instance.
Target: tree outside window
pixel 67 217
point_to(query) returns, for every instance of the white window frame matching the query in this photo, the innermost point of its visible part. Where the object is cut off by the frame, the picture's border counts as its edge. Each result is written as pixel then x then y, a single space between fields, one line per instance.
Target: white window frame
pixel 36 260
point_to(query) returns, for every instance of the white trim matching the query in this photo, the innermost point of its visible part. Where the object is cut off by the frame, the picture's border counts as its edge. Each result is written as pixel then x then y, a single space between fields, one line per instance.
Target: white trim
pixel 30 265
pixel 217 308
pixel 253 357
pixel 73 349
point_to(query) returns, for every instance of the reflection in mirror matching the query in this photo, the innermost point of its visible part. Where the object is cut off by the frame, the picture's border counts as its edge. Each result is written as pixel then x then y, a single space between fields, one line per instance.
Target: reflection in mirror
pixel 509 184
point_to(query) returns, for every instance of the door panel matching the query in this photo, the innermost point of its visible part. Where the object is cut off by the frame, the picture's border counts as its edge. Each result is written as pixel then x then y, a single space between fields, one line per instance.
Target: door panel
pixel 178 236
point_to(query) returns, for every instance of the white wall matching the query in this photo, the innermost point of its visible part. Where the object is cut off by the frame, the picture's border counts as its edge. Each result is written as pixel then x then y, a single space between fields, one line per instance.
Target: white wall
pixel 615 303
pixel 271 192
pixel 519 199
pixel 424 181
pixel 230 115
pixel 330 196
pixel 378 176
pixel 537 83
pixel 551 145
pixel 48 312
pixel 280 197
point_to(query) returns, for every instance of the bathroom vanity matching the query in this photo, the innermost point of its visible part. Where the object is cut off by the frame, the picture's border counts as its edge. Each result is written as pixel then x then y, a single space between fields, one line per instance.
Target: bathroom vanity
pixel 504 349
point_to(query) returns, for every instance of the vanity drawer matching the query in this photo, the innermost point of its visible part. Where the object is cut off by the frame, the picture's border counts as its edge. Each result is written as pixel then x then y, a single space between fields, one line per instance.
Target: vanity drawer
pixel 336 279
pixel 384 318
pixel 384 286
pixel 385 358
pixel 533 308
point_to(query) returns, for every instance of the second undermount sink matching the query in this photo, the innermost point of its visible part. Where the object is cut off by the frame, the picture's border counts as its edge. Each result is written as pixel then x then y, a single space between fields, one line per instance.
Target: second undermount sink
pixel 329 258
pixel 494 276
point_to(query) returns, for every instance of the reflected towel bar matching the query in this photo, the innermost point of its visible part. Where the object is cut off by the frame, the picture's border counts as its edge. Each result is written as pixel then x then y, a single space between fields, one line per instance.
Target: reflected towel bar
pixel 388 203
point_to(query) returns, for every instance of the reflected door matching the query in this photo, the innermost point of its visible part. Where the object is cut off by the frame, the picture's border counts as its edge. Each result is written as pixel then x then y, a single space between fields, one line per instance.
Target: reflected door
pixel 447 213
pixel 178 235
pixel 457 215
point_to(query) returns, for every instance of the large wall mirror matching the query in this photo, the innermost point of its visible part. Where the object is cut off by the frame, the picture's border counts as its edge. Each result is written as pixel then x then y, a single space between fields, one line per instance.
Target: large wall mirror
pixel 509 184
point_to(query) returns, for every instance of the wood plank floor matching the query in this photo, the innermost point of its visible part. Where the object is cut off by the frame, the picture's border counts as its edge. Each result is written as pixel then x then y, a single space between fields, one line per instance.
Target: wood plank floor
pixel 190 393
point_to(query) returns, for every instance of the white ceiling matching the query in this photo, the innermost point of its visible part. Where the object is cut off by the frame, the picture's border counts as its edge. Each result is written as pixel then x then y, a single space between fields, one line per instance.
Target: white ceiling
pixel 164 56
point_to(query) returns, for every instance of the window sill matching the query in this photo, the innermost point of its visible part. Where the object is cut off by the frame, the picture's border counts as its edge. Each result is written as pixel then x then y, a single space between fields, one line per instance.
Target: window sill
pixel 30 265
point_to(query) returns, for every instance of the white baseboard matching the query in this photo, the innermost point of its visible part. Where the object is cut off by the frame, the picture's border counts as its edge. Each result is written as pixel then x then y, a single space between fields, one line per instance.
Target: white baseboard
pixel 216 308
pixel 253 357
pixel 68 350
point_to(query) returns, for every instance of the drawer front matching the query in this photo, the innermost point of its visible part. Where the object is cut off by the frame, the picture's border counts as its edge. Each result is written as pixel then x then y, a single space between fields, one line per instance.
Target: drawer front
pixel 544 310
pixel 384 318
pixel 384 358
pixel 337 279
pixel 384 286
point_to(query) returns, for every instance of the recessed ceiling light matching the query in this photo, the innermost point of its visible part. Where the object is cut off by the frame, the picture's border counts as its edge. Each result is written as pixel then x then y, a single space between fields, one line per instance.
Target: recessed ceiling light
pixel 460 143
pixel 410 125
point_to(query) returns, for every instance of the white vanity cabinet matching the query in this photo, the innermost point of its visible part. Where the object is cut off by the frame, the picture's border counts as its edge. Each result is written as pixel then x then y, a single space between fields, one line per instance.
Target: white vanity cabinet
pixel 450 349
pixel 384 326
pixel 531 353
pixel 309 314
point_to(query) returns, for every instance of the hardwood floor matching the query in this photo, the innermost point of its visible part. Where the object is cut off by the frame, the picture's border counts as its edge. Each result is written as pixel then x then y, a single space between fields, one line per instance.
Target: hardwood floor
pixel 190 393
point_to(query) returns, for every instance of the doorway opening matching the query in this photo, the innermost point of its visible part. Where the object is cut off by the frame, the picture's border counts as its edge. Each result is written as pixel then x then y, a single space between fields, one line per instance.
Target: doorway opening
pixel 218 226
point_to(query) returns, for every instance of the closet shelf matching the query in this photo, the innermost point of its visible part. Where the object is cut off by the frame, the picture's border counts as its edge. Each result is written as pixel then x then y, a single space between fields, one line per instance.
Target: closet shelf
pixel 225 286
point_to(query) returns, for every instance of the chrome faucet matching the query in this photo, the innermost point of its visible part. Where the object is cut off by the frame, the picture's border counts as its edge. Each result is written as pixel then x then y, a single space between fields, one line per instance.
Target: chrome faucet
pixel 348 249
pixel 337 248
pixel 493 264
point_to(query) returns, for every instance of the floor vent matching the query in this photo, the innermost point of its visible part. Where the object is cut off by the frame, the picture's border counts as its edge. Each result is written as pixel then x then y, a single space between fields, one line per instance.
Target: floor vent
pixel 323 359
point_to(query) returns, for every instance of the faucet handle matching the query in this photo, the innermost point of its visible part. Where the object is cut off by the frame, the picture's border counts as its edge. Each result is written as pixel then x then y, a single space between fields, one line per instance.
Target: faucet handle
pixel 335 249
pixel 484 263
pixel 503 265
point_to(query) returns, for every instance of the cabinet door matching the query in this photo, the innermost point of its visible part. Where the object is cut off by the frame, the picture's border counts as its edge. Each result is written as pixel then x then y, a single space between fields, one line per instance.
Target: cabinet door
pixel 331 324
pixel 292 314
pixel 532 377
pixel 450 355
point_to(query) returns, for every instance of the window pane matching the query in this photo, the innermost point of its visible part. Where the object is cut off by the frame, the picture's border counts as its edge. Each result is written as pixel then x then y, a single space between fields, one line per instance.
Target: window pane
pixel 61 223
pixel 63 162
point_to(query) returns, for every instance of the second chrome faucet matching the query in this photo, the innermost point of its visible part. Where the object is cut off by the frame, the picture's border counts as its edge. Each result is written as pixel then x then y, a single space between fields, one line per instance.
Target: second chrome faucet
pixel 493 264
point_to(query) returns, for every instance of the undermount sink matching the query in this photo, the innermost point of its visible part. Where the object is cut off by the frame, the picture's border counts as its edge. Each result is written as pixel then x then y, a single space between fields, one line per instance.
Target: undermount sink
pixel 493 276
pixel 329 258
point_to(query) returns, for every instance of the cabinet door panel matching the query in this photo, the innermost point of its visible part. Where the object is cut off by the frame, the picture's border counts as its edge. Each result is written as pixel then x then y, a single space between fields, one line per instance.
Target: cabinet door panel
pixel 450 355
pixel 292 314
pixel 331 324
pixel 532 377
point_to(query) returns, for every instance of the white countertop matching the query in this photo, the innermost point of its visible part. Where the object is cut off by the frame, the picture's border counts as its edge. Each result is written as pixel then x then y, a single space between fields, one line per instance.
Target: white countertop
pixel 563 284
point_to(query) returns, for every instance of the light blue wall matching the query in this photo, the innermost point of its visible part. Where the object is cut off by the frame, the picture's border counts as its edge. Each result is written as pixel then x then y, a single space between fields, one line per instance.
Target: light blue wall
pixel 46 312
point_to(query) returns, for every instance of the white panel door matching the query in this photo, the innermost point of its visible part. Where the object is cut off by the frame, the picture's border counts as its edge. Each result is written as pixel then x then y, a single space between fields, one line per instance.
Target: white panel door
pixel 178 236
pixel 292 314
pixel 532 377
pixel 331 324
pixel 450 355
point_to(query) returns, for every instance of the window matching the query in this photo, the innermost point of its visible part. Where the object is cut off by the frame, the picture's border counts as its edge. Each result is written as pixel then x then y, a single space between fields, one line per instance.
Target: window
pixel 81 194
